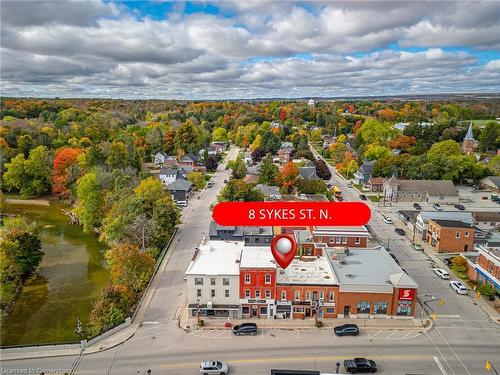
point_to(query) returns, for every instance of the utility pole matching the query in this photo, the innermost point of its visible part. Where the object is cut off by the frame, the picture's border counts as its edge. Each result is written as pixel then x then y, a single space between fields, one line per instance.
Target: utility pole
pixel 424 304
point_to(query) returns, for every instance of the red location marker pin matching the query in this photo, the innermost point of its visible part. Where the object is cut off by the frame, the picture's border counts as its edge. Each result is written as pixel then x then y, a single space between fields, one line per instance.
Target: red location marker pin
pixel 283 248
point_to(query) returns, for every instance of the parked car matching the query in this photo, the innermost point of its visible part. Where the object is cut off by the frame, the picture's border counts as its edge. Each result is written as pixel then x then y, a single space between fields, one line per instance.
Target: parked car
pixel 484 198
pixel 210 184
pixel 213 367
pixel 181 203
pixel 225 181
pixel 442 273
pixel 245 329
pixel 417 206
pixel 458 287
pixel 362 197
pixel 387 220
pixel 417 246
pixel 437 206
pixel 360 365
pixel 346 330
pixel 460 207
pixel 399 231
pixel 394 257
pixel 349 185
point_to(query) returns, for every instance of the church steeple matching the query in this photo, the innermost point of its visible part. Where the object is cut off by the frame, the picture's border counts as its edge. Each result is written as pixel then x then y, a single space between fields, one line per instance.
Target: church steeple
pixel 469 136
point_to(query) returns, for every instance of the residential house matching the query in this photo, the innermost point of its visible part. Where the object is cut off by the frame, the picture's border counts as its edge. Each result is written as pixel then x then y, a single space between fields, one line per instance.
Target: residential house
pixel 484 266
pixel 431 191
pixel 161 158
pixel 287 146
pixel 189 159
pixel 364 173
pixel 375 184
pixel 169 175
pixel 220 144
pixel 179 189
pixel 270 192
pixel 401 125
pixel 490 183
pixel 247 158
pixel 284 155
pixel 308 173
pixel 212 280
pixel 450 236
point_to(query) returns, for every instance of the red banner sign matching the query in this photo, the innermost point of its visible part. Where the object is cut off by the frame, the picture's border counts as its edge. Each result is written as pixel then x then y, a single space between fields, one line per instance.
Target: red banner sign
pixel 406 294
pixel 320 214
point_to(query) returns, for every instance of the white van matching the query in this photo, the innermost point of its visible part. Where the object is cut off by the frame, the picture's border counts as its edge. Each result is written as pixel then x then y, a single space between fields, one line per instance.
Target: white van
pixel 181 203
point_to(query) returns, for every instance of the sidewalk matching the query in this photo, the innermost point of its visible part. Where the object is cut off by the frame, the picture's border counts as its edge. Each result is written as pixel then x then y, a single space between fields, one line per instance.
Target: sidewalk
pixel 309 323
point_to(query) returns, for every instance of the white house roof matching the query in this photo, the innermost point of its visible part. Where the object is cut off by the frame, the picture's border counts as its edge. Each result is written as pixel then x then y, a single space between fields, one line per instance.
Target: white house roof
pixel 465 217
pixel 307 271
pixel 217 258
pixel 257 257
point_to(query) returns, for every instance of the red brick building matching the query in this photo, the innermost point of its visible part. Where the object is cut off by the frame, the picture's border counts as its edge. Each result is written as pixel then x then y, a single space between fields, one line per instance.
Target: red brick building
pixel 341 236
pixel 449 236
pixel 484 268
pixel 257 282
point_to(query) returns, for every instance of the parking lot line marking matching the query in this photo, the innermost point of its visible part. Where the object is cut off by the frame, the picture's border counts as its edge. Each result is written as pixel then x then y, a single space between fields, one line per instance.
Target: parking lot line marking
pixel 149 323
pixel 298 334
pixel 408 334
pixel 392 334
pixel 441 368
pixel 375 334
pixel 448 316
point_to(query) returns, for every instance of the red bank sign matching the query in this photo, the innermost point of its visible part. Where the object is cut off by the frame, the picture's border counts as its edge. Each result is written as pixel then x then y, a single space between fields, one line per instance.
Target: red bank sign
pixel 291 213
pixel 406 294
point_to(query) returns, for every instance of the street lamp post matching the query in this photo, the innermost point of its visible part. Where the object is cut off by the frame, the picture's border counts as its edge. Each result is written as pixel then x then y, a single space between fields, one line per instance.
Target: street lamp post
pixel 424 304
pixel 197 311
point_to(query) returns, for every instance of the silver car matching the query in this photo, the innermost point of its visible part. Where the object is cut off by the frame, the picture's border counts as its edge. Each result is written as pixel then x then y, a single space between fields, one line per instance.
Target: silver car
pixel 213 367
pixel 458 287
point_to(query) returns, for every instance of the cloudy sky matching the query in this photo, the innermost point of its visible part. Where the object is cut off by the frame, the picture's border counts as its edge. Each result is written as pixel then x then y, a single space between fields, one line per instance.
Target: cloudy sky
pixel 215 50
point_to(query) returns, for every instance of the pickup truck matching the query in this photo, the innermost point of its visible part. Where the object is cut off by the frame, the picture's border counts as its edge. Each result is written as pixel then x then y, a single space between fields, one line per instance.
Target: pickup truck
pixel 358 365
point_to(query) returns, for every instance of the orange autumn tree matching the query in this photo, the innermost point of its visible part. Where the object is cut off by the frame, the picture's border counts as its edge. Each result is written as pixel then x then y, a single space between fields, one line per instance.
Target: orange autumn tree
pixel 403 142
pixel 288 176
pixel 63 170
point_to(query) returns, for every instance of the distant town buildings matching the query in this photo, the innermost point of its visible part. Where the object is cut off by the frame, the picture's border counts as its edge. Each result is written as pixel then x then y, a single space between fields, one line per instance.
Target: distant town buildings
pixel 431 191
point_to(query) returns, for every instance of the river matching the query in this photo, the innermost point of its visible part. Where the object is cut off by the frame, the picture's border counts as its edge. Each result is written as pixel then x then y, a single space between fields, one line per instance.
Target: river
pixel 64 286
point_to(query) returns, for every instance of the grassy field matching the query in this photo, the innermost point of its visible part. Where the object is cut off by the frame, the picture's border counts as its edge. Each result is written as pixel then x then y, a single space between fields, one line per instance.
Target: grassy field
pixel 479 122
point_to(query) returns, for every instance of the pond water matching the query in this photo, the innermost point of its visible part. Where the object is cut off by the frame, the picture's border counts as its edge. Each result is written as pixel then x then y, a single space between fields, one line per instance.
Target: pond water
pixel 64 286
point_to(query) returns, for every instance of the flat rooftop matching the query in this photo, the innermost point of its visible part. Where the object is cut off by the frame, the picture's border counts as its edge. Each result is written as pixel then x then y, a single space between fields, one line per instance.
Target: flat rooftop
pixel 307 271
pixel 257 257
pixel 354 230
pixel 217 258
pixel 369 267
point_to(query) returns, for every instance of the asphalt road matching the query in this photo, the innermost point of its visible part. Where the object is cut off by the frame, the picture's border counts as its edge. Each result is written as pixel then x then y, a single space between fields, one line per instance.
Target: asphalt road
pixel 461 340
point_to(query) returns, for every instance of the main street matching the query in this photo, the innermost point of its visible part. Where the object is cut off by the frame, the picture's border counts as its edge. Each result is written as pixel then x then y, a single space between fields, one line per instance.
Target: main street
pixel 461 340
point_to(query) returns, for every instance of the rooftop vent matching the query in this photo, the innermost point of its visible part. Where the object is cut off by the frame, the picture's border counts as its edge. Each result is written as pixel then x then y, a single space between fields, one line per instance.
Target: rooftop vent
pixel 349 275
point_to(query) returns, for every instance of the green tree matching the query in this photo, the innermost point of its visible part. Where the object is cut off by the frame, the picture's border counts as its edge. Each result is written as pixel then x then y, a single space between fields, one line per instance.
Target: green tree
pixel 28 251
pixel 187 137
pixel 237 190
pixel 268 171
pixel 118 155
pixel 379 133
pixel 444 148
pixel 110 309
pixel 89 201
pixel 311 186
pixel 489 139
pixel 219 134
pixel 239 168
pixel 197 179
pixel 130 267
pixel 374 152
pixel 149 191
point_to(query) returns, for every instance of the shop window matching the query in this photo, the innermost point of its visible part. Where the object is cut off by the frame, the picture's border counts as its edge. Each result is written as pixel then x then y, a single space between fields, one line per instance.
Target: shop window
pixel 330 310
pixel 245 310
pixel 363 307
pixel 263 310
pixel 404 308
pixel 380 308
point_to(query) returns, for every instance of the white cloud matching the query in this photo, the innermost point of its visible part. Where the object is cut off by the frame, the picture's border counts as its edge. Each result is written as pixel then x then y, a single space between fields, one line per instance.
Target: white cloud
pixel 101 48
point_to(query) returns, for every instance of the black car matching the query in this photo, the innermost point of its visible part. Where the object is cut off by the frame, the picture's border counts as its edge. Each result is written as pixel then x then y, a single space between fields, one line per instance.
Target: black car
pixel 399 231
pixel 394 257
pixel 245 329
pixel 417 206
pixel 459 207
pixel 360 365
pixel 346 330
pixel 362 197
pixel 448 261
